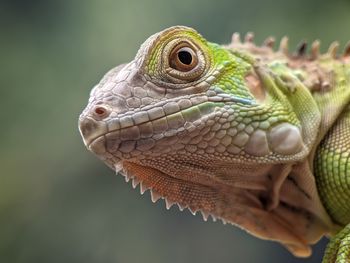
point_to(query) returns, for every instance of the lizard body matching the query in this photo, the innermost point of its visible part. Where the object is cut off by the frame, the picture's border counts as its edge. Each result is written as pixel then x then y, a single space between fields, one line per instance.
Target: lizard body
pixel 255 137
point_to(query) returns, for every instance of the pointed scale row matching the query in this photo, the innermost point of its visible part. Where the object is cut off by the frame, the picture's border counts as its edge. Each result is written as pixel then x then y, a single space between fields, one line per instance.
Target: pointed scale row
pixel 168 203
pixel 301 48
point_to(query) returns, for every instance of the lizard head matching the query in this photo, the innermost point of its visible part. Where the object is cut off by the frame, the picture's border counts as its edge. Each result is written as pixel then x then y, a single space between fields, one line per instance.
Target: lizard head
pixel 180 96
pixel 195 122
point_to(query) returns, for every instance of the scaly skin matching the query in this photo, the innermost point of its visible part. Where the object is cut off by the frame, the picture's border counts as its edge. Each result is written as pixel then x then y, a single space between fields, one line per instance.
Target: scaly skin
pixel 253 137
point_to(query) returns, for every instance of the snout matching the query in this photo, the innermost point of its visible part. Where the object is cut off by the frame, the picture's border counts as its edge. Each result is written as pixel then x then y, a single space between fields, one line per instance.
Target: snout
pixel 91 129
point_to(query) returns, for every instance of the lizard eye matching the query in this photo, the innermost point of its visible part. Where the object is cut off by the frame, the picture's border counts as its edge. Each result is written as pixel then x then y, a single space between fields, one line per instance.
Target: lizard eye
pixel 180 61
pixel 183 59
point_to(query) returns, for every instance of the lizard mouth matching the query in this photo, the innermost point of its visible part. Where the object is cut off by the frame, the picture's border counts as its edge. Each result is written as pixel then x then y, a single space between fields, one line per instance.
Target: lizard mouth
pixel 140 129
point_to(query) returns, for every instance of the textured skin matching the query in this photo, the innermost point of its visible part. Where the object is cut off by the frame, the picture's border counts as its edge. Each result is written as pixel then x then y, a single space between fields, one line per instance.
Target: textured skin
pixel 254 137
pixel 332 168
pixel 338 248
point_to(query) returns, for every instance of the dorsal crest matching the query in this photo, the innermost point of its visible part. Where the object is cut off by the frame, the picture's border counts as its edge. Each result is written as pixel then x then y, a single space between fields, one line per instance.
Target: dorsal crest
pixel 267 47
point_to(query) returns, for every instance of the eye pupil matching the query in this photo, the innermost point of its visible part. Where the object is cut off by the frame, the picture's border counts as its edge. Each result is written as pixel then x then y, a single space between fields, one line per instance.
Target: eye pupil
pixel 185 57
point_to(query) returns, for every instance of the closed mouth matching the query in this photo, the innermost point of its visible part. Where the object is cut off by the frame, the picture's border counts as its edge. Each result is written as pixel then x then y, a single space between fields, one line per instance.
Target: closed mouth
pixel 167 118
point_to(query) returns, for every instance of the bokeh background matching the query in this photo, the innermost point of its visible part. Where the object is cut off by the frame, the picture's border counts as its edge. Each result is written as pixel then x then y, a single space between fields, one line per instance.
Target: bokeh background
pixel 58 203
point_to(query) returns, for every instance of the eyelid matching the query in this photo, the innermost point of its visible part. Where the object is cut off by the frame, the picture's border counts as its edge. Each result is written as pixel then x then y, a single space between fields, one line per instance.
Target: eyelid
pixel 170 74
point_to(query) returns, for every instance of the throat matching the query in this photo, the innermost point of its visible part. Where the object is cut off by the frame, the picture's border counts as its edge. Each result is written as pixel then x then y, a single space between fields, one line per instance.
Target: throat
pixel 278 202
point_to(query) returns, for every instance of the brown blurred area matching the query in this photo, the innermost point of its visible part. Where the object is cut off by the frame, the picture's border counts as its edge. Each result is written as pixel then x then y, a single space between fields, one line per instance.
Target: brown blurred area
pixel 58 203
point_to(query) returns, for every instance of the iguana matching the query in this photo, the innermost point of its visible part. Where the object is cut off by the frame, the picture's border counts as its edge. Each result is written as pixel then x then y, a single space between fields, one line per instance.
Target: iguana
pixel 255 137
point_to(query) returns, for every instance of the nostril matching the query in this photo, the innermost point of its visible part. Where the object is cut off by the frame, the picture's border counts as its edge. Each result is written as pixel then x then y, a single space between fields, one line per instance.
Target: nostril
pixel 101 112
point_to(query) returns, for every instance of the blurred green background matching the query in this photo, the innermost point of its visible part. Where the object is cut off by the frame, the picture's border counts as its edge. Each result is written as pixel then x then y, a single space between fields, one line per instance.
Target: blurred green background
pixel 58 203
